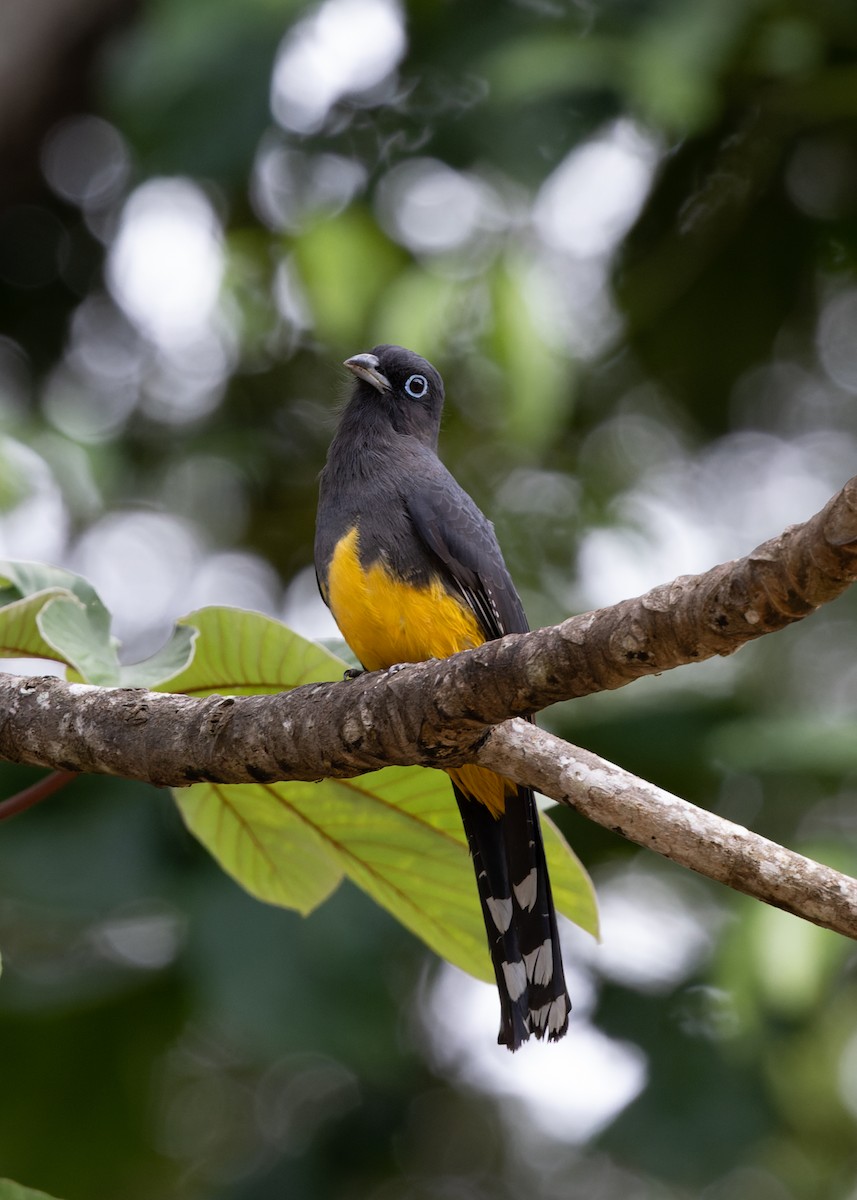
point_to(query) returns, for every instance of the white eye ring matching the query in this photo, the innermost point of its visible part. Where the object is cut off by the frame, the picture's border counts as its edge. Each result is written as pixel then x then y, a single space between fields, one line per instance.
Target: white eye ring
pixel 416 386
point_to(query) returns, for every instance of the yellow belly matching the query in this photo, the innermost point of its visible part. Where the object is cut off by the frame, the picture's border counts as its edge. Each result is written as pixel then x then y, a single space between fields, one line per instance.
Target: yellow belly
pixel 387 621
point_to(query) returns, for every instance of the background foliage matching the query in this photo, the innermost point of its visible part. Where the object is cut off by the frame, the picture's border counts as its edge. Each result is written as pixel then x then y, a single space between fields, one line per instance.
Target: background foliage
pixel 626 233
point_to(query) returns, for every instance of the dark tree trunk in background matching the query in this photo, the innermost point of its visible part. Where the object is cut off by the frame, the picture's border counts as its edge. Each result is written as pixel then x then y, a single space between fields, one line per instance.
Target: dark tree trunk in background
pixel 47 51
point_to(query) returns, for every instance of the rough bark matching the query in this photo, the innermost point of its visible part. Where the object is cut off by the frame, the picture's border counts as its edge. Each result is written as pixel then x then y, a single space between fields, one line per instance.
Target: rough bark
pixel 434 713
pixel 660 821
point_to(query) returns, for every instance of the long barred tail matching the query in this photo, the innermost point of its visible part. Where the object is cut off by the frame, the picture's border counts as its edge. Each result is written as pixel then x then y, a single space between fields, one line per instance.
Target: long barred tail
pixel 514 889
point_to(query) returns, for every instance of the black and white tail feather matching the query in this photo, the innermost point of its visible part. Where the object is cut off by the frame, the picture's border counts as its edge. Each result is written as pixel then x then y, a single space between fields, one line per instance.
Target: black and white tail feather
pixel 514 890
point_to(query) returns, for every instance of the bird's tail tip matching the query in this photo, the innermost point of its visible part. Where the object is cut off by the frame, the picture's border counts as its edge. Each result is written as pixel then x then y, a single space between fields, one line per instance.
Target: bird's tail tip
pixel 520 921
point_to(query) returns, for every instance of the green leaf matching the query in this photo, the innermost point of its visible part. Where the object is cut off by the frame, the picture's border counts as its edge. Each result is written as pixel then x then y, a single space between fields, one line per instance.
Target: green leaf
pixel 526 68
pixel 291 843
pixel 19 578
pixel 538 378
pixel 164 664
pixel 80 635
pixel 242 653
pixel 19 632
pixel 786 744
pixel 395 833
pixel 71 624
pixel 400 838
pixel 398 835
pixel 50 613
pixel 14 1191
pixel 259 836
pixel 419 308
pixel 345 265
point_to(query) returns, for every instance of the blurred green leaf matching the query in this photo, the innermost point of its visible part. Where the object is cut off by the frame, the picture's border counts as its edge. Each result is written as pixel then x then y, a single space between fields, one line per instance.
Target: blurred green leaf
pixel 15 483
pixel 793 960
pixel 674 68
pixel 786 744
pixel 419 308
pixel 776 965
pixel 345 264
pixel 544 64
pixel 169 77
pixel 537 377
pixel 14 1191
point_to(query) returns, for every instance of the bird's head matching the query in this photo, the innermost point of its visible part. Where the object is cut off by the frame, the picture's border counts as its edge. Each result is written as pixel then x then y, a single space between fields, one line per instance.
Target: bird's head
pixel 407 387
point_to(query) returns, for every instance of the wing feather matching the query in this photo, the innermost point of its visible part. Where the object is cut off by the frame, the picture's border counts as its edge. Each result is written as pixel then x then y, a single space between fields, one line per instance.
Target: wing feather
pixel 463 540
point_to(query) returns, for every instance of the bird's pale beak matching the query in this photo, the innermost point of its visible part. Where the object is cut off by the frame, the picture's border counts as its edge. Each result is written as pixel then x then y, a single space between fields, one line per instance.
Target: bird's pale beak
pixel 365 366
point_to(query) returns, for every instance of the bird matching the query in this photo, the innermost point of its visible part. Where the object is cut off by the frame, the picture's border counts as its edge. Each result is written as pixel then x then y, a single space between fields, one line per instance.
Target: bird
pixel 411 569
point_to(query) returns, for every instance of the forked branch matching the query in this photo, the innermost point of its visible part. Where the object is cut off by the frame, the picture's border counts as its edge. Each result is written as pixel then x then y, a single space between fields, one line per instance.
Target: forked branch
pixel 440 713
pixel 689 836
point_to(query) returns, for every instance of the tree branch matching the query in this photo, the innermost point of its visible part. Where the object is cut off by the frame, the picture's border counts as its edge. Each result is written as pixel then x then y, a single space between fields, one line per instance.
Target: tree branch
pixel 657 820
pixel 434 713
pixel 441 713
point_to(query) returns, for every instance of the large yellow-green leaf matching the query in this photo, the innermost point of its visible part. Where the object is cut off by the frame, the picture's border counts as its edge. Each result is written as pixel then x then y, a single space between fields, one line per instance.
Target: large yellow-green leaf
pixel 290 843
pixel 241 653
pixel 396 833
pixel 258 834
pixel 399 836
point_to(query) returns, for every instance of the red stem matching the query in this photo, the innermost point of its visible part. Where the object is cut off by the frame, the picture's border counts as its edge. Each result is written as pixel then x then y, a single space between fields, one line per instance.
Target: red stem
pixel 44 787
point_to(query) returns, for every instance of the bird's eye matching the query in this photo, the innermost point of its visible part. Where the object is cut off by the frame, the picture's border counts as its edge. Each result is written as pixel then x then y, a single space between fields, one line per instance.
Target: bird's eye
pixel 416 386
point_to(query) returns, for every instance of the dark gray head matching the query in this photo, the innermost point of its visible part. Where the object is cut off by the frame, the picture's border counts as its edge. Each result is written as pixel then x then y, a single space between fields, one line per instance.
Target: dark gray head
pixel 401 386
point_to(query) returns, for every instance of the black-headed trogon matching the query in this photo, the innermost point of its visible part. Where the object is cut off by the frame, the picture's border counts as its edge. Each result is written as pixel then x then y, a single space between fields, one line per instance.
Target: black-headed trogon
pixel 411 570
